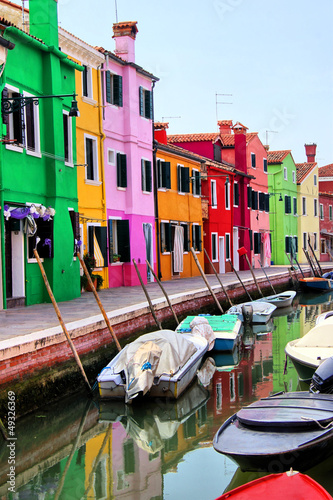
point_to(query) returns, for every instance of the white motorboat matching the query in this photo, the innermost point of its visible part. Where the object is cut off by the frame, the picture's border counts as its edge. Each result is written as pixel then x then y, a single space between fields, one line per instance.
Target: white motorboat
pixel 253 312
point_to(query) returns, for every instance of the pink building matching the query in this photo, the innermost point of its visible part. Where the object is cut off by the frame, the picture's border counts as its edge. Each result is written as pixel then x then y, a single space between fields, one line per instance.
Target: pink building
pixel 127 95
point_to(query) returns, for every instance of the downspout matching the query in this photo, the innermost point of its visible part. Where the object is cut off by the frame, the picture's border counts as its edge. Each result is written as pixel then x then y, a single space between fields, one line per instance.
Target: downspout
pixel 102 138
pixel 159 275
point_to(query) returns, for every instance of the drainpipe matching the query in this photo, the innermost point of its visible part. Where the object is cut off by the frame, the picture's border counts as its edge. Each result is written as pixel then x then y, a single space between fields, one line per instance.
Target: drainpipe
pixel 102 138
pixel 155 191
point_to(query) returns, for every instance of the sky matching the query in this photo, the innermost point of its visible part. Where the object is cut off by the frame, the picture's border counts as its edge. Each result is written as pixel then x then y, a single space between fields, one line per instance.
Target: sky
pixel 265 63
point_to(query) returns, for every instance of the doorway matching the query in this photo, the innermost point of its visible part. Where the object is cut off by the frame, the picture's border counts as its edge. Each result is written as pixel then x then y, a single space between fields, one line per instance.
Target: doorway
pixel 148 234
pixel 221 255
pixel 14 262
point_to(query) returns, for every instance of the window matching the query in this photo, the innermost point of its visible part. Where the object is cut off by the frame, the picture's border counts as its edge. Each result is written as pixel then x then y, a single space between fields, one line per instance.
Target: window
pixel 217 153
pixel 146 182
pixel 166 237
pixel 32 127
pixel 294 177
pixel 121 170
pixel 315 180
pixel 253 160
pixel 196 237
pixel 183 179
pixel 227 246
pixel 214 247
pixel 87 82
pixel 295 205
pixel 163 174
pixel 227 195
pixel 330 212
pixel 186 236
pixel 68 145
pixel 91 158
pixel 315 207
pixel 119 239
pixel 254 200
pixel 303 205
pixel 285 173
pixel 321 209
pixel 213 194
pixel 265 164
pixel 146 103
pixel 111 157
pixel 287 204
pixel 236 194
pixel 249 197
pixel 305 243
pixel 45 244
pixel 196 182
pixel 262 199
pixel 315 241
pixel 114 89
pixel 291 245
pixel 97 244
pixel 267 202
pixel 257 242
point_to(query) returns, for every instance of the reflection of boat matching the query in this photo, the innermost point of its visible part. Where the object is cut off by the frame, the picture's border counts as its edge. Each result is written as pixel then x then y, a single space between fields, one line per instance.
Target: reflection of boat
pixel 307 299
pixel 261 311
pixel 158 420
pixel 157 364
pixel 324 316
pixel 308 352
pixel 290 485
pixel 225 328
pixel 226 360
pixel 283 299
pixel 316 284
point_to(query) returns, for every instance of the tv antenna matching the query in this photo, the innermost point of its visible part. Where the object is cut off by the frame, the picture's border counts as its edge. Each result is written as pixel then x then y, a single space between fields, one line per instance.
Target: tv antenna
pixel 220 102
pixel 23 16
pixel 270 132
pixel 164 117
pixel 115 5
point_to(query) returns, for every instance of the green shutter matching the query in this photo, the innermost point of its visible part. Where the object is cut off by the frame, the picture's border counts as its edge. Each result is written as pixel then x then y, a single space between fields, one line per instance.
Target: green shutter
pixel 118 90
pixel 141 108
pixel 108 87
pixel 148 177
pixel 148 104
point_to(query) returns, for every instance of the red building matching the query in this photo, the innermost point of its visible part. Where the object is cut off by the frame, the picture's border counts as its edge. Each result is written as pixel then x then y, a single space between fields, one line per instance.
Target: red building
pixel 326 212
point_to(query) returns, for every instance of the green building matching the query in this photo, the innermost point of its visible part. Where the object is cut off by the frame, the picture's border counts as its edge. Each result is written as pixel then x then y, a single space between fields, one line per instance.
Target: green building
pixel 282 186
pixel 38 186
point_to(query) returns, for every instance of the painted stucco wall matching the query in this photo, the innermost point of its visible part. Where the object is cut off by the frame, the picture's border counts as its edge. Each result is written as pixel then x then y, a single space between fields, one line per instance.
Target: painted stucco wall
pixel 308 223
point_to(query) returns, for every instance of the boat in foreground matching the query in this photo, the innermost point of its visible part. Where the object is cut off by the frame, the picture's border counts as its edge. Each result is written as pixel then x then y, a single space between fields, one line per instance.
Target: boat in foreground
pixel 283 299
pixel 253 312
pixel 291 485
pixel 309 351
pixel 157 364
pixel 293 429
pixel 226 329
pixel 316 284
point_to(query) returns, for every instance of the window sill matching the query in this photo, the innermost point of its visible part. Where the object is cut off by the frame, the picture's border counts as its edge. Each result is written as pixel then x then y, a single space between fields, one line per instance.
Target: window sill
pixel 121 189
pixel 36 154
pixel 117 263
pixel 92 183
pixel 89 100
pixel 11 147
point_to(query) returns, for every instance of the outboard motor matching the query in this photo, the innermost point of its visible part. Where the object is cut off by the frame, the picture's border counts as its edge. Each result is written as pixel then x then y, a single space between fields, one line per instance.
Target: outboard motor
pixel 247 311
pixel 322 379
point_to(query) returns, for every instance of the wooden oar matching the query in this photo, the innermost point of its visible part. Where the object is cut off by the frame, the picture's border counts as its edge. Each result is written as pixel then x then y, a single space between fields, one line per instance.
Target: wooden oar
pixel 105 316
pixel 147 296
pixel 163 290
pixel 205 280
pixel 55 305
pixel 217 276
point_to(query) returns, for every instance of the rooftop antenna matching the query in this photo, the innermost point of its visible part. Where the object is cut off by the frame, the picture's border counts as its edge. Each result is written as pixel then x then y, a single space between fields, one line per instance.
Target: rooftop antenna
pixel 220 102
pixel 115 4
pixel 271 132
pixel 164 117
pixel 23 18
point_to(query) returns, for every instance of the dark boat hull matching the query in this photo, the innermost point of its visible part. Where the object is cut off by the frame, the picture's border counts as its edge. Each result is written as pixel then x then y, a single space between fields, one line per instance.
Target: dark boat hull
pixel 275 447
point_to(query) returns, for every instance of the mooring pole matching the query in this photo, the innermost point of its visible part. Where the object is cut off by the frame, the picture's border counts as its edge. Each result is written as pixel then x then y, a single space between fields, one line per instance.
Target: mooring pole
pixel 205 280
pixel 164 291
pixel 234 270
pixel 55 305
pixel 243 251
pixel 262 267
pixel 105 316
pixel 218 278
pixel 147 296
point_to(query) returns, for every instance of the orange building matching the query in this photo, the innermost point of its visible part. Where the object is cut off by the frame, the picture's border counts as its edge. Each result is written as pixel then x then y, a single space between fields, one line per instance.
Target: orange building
pixel 178 208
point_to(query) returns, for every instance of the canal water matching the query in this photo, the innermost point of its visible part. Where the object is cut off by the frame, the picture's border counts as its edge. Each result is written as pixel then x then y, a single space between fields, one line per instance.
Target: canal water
pixel 79 449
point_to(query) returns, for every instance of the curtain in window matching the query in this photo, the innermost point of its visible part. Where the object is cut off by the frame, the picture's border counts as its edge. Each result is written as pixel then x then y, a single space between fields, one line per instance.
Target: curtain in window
pixel 178 247
pixel 147 234
pixel 267 250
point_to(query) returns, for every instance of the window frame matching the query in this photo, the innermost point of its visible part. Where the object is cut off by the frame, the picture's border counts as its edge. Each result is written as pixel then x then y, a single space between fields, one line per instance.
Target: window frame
pixel 69 161
pixel 95 166
pixel 145 103
pixel 214 247
pixel 213 194
pixel 115 90
pixel 87 83
pixel 146 180
pixel 36 126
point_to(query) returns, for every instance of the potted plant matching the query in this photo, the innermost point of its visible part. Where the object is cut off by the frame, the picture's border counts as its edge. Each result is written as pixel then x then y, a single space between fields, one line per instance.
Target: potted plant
pixel 116 257
pixel 97 280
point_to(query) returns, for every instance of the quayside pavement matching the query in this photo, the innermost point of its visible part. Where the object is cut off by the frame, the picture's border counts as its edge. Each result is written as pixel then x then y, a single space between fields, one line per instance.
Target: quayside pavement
pixel 21 321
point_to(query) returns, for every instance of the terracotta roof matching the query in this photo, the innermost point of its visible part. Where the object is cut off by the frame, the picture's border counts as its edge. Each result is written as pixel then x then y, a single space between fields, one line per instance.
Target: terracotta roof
pixel 277 156
pixel 14 5
pixel 192 137
pixel 161 125
pixel 222 123
pixel 228 140
pixel 326 170
pixel 303 169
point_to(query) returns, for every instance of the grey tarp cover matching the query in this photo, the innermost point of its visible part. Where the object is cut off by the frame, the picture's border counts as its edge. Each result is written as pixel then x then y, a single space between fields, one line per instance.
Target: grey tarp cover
pixel 150 356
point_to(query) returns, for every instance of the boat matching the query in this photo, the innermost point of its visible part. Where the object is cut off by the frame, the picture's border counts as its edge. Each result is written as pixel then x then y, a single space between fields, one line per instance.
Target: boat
pixel 309 351
pixel 226 329
pixel 253 312
pixel 283 299
pixel 157 364
pixel 292 429
pixel 291 485
pixel 324 316
pixel 316 284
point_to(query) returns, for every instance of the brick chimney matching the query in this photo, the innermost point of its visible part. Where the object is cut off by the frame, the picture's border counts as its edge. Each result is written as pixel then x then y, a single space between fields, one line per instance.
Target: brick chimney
pixel 240 146
pixel 160 134
pixel 124 35
pixel 225 126
pixel 310 151
pixel 43 20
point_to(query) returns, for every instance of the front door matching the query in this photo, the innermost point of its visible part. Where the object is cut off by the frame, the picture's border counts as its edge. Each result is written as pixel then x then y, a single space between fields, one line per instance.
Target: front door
pixel 236 247
pixel 221 255
pixel 147 231
pixel 14 259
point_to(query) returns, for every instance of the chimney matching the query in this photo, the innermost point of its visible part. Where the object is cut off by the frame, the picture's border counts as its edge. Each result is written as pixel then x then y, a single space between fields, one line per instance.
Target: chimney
pixel 240 146
pixel 310 151
pixel 225 126
pixel 43 20
pixel 160 134
pixel 124 35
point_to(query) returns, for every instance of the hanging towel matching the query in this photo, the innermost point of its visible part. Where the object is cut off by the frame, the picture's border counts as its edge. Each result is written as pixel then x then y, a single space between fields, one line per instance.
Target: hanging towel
pixel 178 249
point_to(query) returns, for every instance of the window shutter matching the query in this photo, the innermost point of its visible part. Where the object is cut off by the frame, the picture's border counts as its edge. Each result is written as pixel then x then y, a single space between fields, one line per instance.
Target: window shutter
pixel 199 242
pixel 5 118
pixel 266 202
pixel 148 177
pixel 118 90
pixel 236 194
pixel 121 170
pixel 123 240
pixel 251 239
pixel 143 176
pixel 85 81
pixel 179 177
pixel 186 239
pixel 287 244
pixel 217 153
pixel 91 239
pixel 89 158
pixel 148 103
pixel 111 249
pixel 101 236
pixel 185 185
pixel 141 101
pixel 265 165
pixel 167 175
pixel 30 125
pixel 108 87
pixel 253 160
pixel 249 197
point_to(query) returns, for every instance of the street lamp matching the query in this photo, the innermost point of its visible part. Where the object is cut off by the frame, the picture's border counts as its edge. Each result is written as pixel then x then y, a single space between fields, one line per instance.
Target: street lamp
pixel 16 103
pixel 274 194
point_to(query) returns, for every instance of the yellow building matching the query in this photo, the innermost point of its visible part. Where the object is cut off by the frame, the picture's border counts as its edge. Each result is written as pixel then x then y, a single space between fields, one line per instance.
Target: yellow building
pixel 179 212
pixel 308 210
pixel 90 156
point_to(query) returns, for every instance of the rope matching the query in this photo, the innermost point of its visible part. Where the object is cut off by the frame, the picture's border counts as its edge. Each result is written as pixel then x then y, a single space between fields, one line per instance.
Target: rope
pixel 330 424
